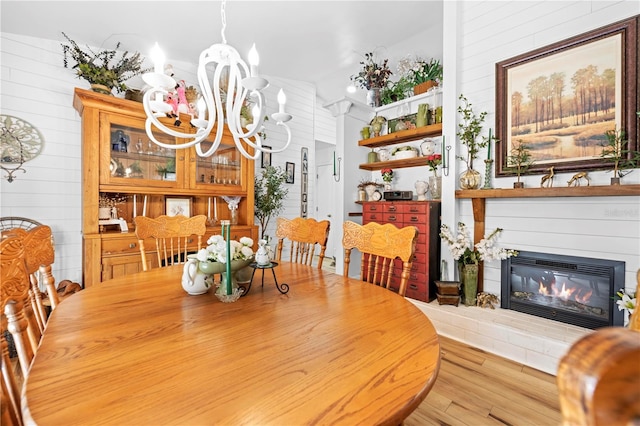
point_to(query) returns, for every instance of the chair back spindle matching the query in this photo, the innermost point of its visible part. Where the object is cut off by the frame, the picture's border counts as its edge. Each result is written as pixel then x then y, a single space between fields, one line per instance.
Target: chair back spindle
pixel 301 236
pixel 385 250
pixel 173 237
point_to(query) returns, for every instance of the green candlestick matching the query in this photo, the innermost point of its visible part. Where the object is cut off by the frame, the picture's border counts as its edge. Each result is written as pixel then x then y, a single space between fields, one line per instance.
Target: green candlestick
pixel 226 234
pixel 487 174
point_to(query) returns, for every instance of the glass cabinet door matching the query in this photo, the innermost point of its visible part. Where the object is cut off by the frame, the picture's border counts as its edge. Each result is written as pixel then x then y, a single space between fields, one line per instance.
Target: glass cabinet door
pixel 132 156
pixel 222 168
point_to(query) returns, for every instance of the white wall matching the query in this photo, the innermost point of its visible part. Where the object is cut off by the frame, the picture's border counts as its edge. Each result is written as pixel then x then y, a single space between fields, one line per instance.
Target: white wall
pixel 300 104
pixel 38 89
pixel 600 227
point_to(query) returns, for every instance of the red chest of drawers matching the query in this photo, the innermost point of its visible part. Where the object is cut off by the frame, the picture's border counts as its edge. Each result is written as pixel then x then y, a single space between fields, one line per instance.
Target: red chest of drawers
pixel 424 215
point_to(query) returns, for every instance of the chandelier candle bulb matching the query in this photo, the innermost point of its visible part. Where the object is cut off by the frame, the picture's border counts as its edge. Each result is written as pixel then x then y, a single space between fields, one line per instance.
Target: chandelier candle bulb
pixel 254 60
pixel 157 56
pixel 282 99
pixel 201 108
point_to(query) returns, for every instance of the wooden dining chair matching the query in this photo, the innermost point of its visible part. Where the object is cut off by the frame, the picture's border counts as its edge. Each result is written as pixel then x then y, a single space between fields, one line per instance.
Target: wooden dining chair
pixel 599 377
pixel 15 284
pixel 386 250
pixel 39 255
pixel 302 236
pixel 173 238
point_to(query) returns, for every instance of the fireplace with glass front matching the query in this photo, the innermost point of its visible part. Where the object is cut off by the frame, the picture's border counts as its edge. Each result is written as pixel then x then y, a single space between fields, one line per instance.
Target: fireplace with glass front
pixel 570 289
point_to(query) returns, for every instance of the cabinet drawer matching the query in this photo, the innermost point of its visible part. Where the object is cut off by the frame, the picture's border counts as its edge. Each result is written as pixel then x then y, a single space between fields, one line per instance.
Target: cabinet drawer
pixel 126 246
pixel 394 218
pixel 423 233
pixel 372 208
pixel 121 246
pixel 414 218
pixel 392 208
pixel 415 208
pixel 372 217
pixel 417 290
pixel 416 268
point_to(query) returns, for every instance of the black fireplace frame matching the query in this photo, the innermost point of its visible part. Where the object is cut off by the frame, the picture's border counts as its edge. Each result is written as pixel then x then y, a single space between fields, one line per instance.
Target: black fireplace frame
pixel 614 269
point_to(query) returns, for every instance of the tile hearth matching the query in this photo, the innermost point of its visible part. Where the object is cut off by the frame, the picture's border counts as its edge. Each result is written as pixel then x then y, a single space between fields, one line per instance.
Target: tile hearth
pixel 536 342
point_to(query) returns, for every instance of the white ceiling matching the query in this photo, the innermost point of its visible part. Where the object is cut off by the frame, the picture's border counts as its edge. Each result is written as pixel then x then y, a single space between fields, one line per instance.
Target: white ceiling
pixel 320 42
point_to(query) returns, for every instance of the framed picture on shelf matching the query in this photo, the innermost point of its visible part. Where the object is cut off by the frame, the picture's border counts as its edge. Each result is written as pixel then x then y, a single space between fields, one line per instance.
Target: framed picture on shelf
pixel 291 170
pixel 561 99
pixel 178 206
pixel 265 159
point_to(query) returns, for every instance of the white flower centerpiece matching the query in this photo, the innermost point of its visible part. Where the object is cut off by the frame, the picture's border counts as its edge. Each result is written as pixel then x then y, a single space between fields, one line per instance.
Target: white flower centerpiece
pixel 213 258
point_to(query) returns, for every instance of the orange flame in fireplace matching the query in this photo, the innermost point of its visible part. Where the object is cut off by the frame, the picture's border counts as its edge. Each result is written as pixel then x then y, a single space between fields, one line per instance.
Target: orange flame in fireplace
pixel 565 293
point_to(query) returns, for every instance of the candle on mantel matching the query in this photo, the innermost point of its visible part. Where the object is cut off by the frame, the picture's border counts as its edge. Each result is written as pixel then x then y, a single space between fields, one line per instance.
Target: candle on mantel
pixel 215 208
pixel 489 146
pixel 134 205
pixel 144 206
pixel 208 207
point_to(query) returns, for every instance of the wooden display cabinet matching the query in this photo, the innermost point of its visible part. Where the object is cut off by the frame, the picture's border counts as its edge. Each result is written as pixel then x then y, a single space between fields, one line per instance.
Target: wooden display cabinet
pixel 119 159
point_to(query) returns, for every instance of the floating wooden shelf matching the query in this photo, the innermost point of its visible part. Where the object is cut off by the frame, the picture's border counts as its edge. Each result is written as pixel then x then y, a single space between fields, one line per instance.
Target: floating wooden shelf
pixel 402 136
pixel 395 164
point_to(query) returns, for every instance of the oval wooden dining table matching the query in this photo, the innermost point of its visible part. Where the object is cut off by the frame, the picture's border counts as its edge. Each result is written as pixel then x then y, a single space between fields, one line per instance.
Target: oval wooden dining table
pixel 138 350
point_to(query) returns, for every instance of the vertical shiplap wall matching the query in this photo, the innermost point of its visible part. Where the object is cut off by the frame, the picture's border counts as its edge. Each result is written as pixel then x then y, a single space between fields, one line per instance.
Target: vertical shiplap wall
pixel 38 89
pixel 599 227
pixel 300 104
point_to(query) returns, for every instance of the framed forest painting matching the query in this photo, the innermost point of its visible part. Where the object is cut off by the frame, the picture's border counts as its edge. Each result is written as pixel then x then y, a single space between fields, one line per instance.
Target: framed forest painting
pixel 560 100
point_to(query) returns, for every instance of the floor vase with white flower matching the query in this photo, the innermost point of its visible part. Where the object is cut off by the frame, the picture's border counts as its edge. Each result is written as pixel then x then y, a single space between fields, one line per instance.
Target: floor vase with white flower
pixel 469 256
pixel 469 278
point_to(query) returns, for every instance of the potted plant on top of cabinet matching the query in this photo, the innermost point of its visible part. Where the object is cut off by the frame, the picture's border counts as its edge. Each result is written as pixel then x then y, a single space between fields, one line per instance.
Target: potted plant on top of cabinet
pixel 373 77
pixel 420 73
pixel 98 68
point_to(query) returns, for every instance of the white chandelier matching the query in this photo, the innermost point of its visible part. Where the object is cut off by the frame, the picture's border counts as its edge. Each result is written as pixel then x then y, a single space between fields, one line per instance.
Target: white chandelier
pixel 242 84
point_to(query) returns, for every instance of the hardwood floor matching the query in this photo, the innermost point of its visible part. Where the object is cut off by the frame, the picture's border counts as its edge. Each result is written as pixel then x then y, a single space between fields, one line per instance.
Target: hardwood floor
pixel 478 388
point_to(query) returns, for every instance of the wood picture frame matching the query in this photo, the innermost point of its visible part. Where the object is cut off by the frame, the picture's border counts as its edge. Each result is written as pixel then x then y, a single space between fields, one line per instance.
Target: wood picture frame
pixel 547 99
pixel 265 158
pixel 178 206
pixel 291 172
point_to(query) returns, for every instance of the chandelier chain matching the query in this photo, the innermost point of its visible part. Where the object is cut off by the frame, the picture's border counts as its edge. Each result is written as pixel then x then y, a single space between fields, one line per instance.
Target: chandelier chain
pixel 223 17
